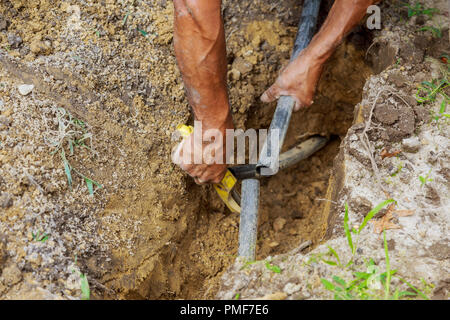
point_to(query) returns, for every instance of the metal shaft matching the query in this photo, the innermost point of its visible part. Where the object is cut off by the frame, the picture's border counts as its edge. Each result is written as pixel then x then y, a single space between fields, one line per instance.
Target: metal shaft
pixel 268 159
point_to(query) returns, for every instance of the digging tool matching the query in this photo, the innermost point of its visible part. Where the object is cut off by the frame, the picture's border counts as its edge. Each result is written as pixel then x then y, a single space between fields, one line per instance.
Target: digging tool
pixel 269 160
pixel 227 188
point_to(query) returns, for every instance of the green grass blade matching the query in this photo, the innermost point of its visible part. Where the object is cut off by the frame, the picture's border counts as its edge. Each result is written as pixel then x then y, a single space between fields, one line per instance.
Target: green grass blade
pixel 334 253
pixel 85 291
pixel 388 268
pixel 414 288
pixel 373 212
pixel 67 169
pixel 89 185
pixel 347 229
pixel 327 284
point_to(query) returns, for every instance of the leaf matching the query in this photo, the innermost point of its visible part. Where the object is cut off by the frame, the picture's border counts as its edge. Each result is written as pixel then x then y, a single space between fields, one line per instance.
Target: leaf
pixel 67 169
pixel 334 253
pixel 404 213
pixel 71 147
pixel 443 105
pixel 384 223
pixel 339 280
pixel 331 263
pixel 236 297
pixel 373 212
pixel 327 284
pixel 406 293
pixel 85 291
pixel 273 267
pixel 388 266
pixel 144 33
pixel 385 154
pixel 347 229
pixel 90 186
pixel 361 275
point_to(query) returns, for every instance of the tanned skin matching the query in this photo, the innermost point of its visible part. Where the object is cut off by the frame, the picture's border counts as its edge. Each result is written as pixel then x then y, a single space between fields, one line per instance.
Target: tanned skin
pixel 199 42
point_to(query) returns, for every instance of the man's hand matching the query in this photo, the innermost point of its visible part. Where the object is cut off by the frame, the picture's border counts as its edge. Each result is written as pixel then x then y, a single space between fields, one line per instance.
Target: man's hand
pixel 212 165
pixel 298 80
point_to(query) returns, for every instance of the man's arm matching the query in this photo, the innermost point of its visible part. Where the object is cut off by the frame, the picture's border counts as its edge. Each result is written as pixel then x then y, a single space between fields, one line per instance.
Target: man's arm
pixel 300 77
pixel 199 42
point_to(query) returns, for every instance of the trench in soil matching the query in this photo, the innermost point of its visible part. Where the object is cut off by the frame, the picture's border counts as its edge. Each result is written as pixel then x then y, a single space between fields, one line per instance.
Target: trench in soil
pixel 291 202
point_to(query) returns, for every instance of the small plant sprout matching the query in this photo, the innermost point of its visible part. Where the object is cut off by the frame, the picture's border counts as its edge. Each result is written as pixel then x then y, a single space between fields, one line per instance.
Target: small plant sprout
pixel 40 237
pixel 273 267
pixel 425 179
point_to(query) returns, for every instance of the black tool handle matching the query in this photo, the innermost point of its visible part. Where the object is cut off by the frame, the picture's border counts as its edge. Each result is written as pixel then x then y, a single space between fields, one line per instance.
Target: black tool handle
pixel 268 159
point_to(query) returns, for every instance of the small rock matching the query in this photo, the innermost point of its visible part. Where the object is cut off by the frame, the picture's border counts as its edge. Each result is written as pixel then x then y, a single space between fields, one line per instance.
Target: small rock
pixel 3 23
pixel 11 275
pixel 360 205
pixel 242 65
pixel 411 144
pixel 291 288
pixel 278 224
pixel 4 121
pixel 432 157
pixel 25 89
pixel 274 244
pixel 14 40
pixel 235 74
pixel 6 200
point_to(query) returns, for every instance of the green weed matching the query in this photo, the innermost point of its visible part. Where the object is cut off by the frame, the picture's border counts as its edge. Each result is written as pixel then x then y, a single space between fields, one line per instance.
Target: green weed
pixel 272 267
pixel 418 9
pixel 370 283
pixel 72 133
pixel 39 237
pixel 425 179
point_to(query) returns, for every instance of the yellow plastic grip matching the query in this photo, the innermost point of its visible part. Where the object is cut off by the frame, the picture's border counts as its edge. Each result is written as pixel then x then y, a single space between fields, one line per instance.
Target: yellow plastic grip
pixel 226 184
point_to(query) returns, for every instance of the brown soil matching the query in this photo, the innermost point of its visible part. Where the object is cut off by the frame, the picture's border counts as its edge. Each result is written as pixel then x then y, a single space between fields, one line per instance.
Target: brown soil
pixel 150 232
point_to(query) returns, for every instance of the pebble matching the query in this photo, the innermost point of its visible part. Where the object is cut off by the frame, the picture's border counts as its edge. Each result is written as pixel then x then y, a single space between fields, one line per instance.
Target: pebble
pixel 411 145
pixel 278 224
pixel 274 244
pixel 6 200
pixel 25 89
pixel 14 40
pixel 291 288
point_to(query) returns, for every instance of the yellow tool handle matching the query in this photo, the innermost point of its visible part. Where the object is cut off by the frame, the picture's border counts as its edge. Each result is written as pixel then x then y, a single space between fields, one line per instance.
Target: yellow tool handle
pixel 227 183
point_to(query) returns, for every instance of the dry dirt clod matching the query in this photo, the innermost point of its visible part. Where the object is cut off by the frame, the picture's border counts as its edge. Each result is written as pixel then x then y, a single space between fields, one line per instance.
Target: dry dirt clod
pixel 278 224
pixel 11 275
pixel 411 145
pixel 386 114
pixel 14 40
pixel 6 200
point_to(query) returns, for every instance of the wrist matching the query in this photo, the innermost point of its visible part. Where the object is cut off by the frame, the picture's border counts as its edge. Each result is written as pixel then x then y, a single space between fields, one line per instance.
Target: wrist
pixel 219 118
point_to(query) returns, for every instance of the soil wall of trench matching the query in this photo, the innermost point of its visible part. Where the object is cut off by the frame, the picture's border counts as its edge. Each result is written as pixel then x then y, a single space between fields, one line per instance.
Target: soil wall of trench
pixel 149 232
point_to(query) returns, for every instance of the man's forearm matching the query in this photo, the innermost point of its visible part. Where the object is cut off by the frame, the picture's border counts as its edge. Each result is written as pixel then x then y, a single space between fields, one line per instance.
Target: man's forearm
pixel 199 43
pixel 343 16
